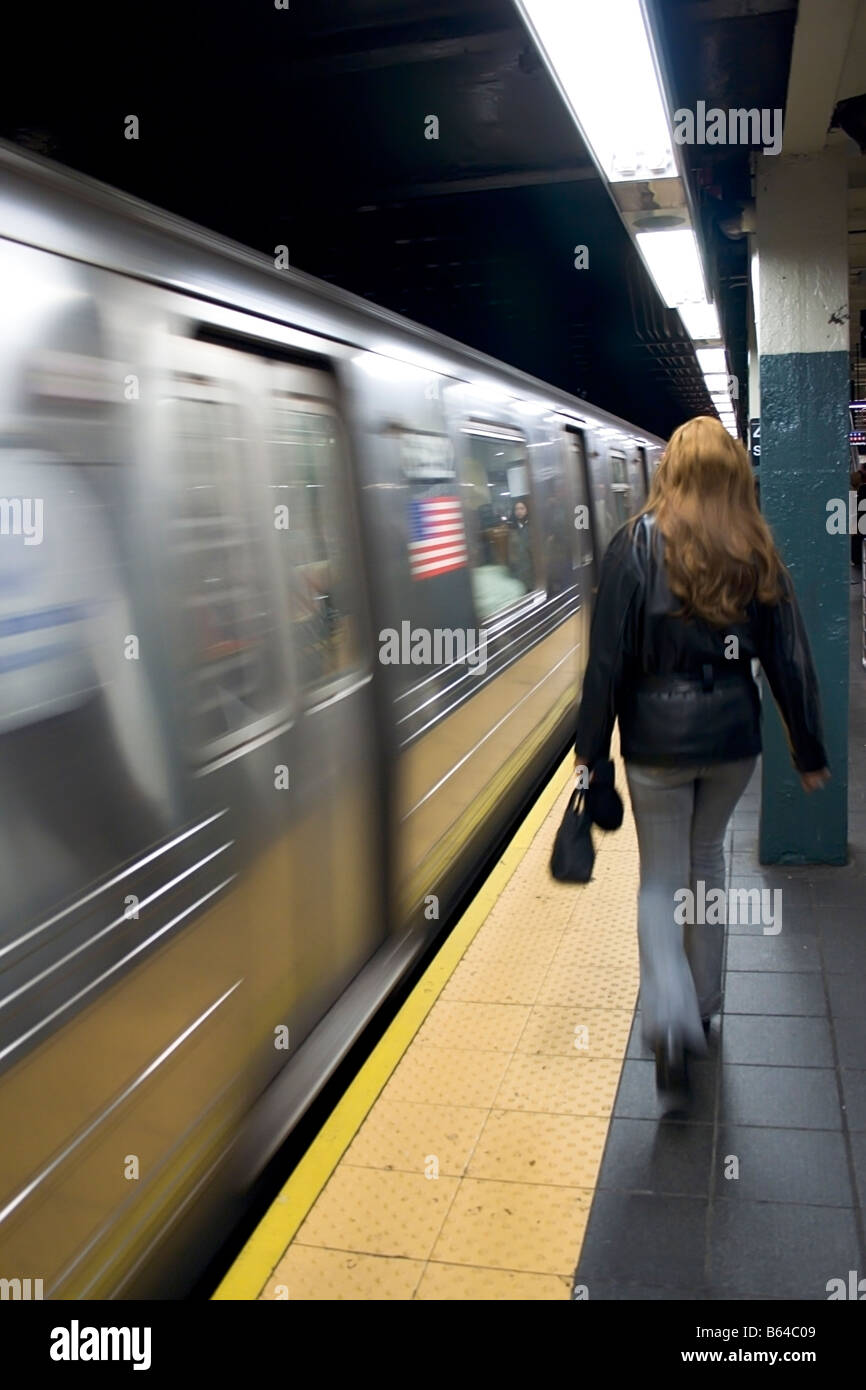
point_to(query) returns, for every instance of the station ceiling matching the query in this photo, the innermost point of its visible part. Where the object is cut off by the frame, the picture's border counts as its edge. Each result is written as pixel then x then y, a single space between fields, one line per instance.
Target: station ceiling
pixel 307 127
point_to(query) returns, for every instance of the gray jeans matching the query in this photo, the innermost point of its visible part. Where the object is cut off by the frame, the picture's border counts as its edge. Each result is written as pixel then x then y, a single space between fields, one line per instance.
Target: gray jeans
pixel 681 814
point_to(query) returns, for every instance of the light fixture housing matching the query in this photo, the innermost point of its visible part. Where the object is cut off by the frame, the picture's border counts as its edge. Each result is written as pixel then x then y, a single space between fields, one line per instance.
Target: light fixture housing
pixel 673 260
pixel 603 58
pixel 624 123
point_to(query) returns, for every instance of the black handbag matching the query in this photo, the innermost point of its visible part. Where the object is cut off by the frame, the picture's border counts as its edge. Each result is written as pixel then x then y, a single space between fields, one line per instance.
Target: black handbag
pixel 573 853
pixel 603 802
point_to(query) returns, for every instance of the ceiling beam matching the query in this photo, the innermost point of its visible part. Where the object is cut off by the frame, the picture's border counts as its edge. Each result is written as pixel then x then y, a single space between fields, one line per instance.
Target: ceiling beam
pixel 521 178
pixel 853 80
pixel 821 40
pixel 498 41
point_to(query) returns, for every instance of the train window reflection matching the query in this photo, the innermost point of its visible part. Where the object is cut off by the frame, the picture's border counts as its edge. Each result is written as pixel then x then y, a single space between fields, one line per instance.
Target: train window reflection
pixel 79 780
pixel 228 639
pixel 499 521
pixel 305 476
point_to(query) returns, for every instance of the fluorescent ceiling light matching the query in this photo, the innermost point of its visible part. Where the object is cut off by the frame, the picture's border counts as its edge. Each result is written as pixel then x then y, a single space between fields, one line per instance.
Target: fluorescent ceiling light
pixel 700 321
pixel 601 58
pixel 717 382
pixel 674 263
pixel 711 360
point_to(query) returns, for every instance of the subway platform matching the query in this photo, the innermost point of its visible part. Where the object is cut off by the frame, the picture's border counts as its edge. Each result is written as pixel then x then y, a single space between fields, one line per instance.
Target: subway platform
pixel 504 1141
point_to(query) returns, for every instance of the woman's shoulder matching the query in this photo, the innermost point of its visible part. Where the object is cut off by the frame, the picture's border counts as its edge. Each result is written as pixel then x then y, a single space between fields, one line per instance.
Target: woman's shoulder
pixel 634 540
pixel 626 557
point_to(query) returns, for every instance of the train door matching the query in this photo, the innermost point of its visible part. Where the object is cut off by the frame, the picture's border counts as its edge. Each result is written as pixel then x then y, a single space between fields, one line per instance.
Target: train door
pixel 272 670
pixel 586 531
pixel 228 673
pixel 338 838
pixel 641 453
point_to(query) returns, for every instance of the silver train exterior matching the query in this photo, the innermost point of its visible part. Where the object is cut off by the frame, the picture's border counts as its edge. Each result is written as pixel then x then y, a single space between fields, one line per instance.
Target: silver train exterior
pixel 238 794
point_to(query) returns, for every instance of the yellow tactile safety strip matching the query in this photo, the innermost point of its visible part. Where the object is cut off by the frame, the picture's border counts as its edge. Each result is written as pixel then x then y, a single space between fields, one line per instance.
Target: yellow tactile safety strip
pixel 461 1163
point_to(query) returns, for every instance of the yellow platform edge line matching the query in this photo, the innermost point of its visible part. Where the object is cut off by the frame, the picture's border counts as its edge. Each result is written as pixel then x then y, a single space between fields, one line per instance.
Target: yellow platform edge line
pixel 254 1265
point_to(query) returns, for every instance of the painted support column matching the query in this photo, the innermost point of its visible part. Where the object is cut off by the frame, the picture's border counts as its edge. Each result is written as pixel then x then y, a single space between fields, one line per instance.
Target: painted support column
pixel 802 330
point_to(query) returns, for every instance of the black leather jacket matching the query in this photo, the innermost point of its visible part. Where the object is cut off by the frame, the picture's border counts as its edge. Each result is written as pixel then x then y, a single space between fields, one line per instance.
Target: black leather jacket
pixel 678 696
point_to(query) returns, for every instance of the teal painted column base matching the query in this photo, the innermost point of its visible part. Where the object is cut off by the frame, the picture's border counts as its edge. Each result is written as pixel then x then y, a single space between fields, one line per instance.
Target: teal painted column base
pixel 796 828
pixel 804 463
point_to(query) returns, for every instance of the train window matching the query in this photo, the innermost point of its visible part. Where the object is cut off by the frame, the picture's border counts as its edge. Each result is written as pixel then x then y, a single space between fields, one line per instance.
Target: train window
pixel 503 544
pixel 228 640
pixel 305 475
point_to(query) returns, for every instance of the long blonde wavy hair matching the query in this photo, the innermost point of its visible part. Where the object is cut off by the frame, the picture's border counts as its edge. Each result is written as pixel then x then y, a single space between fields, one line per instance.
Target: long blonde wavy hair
pixel 719 550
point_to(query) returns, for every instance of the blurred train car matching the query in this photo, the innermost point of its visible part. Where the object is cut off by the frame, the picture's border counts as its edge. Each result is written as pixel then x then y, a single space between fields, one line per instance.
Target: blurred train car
pixel 273 679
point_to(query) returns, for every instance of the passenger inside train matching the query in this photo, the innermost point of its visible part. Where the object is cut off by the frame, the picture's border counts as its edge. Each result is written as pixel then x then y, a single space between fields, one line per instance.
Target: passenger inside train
pixel 520 544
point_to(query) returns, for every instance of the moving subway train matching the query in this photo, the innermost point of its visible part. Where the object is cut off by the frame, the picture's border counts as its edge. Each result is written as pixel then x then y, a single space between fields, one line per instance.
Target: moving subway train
pixel 277 666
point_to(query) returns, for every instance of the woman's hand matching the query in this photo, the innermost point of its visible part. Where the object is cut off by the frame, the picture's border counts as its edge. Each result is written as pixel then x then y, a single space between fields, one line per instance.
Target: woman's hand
pixel 813 781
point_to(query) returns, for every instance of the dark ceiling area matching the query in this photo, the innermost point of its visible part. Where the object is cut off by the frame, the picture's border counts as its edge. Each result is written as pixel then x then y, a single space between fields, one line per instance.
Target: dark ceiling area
pixel 308 127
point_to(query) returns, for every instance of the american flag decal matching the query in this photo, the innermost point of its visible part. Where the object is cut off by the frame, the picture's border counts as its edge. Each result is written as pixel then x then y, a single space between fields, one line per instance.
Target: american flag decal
pixel 437 542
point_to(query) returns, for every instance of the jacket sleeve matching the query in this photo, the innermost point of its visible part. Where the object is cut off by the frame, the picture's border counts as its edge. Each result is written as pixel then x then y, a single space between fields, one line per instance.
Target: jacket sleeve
pixel 786 658
pixel 610 643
